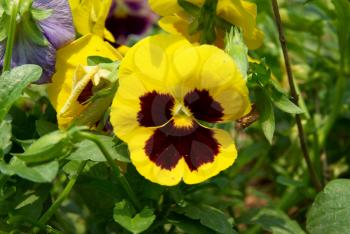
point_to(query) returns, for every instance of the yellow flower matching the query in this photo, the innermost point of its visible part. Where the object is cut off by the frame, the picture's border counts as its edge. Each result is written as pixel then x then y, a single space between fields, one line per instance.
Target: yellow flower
pixel 237 12
pixel 73 83
pixel 167 88
pixel 89 16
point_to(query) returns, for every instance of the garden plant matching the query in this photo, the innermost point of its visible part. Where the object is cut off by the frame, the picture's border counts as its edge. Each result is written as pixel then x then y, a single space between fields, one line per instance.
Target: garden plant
pixel 175 116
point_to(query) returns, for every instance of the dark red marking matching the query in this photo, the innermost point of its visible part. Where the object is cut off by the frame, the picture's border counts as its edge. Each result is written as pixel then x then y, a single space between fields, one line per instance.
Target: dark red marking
pixel 169 144
pixel 86 93
pixel 155 109
pixel 203 106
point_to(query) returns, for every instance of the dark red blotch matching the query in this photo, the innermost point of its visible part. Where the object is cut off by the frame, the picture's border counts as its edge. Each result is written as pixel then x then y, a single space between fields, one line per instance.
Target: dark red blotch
pixel 169 144
pixel 155 109
pixel 203 106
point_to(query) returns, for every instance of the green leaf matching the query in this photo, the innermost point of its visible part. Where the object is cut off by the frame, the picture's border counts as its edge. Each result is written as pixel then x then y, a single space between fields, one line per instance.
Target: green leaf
pixel 282 102
pixel 44 127
pixel 275 221
pixel 41 174
pixel 13 83
pixel 209 217
pixel 190 226
pixel 47 148
pixel 88 150
pixel 267 116
pixel 330 212
pixel 5 137
pixel 289 182
pixel 126 216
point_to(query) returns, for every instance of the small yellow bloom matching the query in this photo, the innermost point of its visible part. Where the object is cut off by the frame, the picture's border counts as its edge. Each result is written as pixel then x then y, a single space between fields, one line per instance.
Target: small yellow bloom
pixel 240 13
pixel 167 88
pixel 89 16
pixel 74 81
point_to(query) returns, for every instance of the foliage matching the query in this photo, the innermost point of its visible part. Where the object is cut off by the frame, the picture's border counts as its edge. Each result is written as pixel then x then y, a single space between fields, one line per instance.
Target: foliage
pixel 86 174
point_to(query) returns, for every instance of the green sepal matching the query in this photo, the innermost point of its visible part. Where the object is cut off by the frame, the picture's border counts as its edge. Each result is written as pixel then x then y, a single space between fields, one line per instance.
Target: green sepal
pixel 40 14
pixel 4 21
pixel 32 31
pixel 235 47
pixel 96 60
pixel 190 8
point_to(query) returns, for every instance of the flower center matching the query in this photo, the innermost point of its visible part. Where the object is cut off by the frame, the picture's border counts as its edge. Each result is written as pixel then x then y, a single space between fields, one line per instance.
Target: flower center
pixel 182 116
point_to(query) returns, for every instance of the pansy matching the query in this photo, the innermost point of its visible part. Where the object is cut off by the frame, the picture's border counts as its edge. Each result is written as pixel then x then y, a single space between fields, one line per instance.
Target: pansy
pixel 89 17
pixel 129 17
pixel 75 83
pixel 114 20
pixel 168 90
pixel 43 27
pixel 185 21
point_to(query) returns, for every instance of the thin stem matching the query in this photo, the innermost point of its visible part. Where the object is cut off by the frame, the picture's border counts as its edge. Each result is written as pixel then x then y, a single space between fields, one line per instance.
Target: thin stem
pixel 11 31
pixel 51 211
pixel 123 181
pixel 294 94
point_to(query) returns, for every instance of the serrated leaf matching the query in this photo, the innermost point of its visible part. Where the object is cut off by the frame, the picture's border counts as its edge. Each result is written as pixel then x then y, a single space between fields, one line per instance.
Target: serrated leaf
pixel 41 174
pixel 209 217
pixel 267 115
pixel 282 102
pixel 13 83
pixel 88 150
pixel 126 216
pixel 330 212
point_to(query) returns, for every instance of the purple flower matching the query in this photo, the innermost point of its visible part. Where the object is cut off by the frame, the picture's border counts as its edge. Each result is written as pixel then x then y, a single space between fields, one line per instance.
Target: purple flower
pixel 57 29
pixel 129 17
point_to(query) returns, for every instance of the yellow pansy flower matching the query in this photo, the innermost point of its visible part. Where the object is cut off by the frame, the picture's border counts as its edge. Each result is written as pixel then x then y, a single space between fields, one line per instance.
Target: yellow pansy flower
pixel 167 89
pixel 74 80
pixel 240 13
pixel 89 16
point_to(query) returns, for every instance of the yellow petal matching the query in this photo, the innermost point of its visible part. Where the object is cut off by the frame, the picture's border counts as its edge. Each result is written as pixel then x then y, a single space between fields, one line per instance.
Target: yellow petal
pixel 150 59
pixel 90 15
pixel 164 7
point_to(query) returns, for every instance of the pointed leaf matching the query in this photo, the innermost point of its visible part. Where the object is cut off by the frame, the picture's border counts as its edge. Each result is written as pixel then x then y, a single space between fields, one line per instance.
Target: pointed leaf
pixel 13 83
pixel 267 115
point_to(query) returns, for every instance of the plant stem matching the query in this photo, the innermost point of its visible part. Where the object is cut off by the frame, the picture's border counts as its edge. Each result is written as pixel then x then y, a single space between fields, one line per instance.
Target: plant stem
pixel 11 31
pixel 294 94
pixel 122 180
pixel 51 211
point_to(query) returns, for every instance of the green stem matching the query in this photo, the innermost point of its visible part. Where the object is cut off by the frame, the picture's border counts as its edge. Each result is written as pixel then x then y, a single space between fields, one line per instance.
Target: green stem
pixel 301 133
pixel 11 36
pixel 51 211
pixel 122 180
